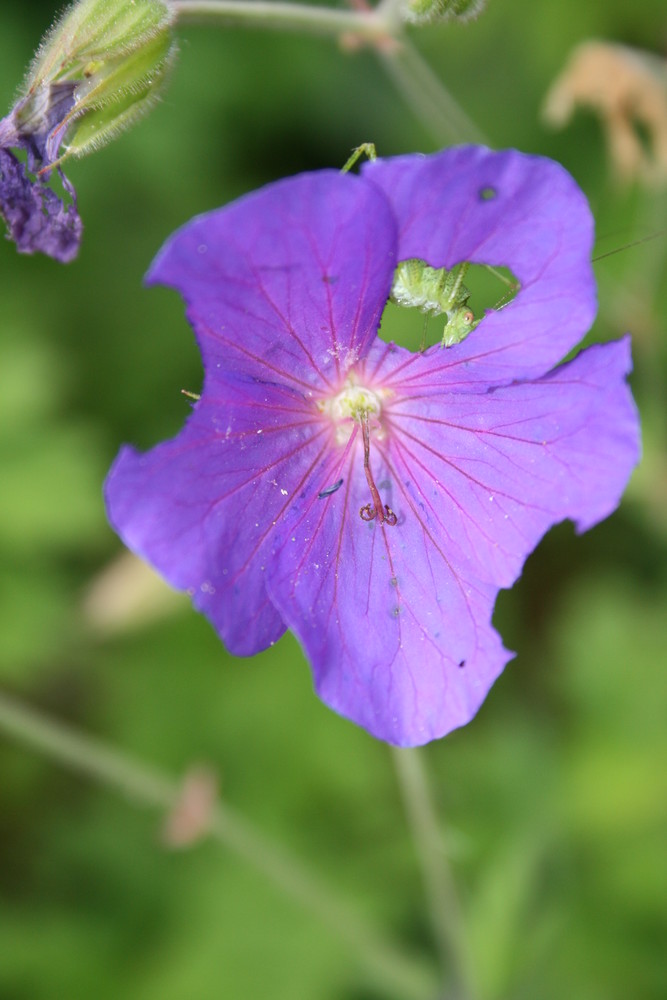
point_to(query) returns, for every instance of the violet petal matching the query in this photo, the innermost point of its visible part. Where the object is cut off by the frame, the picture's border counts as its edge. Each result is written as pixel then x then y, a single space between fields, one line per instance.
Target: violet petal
pixel 400 641
pixel 269 299
pixel 497 469
pixel 290 281
pixel 396 620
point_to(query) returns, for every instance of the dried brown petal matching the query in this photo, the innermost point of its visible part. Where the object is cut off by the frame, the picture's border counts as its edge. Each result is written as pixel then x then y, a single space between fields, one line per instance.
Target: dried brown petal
pixel 627 88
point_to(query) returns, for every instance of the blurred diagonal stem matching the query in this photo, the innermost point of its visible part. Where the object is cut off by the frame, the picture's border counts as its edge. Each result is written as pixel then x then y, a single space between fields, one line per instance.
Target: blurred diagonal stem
pixel 398 973
pixel 380 27
pixel 440 889
pixel 429 99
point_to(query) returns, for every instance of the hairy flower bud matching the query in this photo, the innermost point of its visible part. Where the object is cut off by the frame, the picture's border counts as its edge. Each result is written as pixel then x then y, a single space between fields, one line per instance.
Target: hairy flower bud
pixel 98 69
pixel 102 64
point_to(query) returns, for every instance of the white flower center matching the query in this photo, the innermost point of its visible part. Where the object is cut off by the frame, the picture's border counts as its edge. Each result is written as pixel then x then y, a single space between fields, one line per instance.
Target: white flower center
pixel 353 403
pixel 350 406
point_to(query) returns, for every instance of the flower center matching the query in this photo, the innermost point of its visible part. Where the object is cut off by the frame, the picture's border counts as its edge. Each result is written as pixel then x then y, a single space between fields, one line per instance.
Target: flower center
pixel 353 403
pixel 358 404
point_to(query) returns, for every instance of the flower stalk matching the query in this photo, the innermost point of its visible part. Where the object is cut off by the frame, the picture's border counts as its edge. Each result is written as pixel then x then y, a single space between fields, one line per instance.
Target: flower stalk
pixel 440 889
pixel 370 25
pixel 399 974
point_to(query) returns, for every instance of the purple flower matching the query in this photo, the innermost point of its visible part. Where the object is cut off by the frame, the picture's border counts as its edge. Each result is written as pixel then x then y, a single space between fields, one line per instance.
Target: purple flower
pixel 370 499
pixel 37 219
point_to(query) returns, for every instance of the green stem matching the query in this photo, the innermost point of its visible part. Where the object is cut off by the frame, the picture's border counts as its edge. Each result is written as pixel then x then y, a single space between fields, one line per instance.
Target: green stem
pixel 371 24
pixel 397 973
pixel 418 84
pixel 440 889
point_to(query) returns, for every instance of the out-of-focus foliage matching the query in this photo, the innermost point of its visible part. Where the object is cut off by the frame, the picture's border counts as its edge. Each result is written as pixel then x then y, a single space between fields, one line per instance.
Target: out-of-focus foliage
pixel 554 799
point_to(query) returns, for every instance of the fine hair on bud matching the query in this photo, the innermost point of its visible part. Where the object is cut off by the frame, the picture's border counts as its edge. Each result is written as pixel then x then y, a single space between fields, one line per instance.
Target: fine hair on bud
pixel 423 11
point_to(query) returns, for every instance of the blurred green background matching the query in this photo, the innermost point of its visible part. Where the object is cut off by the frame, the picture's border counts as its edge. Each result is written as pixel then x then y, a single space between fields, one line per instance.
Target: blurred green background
pixel 553 801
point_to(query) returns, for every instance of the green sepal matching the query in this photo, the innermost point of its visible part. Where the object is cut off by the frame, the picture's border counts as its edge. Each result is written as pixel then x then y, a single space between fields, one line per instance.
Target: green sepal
pixel 117 96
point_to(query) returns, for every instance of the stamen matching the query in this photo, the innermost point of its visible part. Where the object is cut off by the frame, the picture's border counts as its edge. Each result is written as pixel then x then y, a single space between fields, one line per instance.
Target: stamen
pixel 384 513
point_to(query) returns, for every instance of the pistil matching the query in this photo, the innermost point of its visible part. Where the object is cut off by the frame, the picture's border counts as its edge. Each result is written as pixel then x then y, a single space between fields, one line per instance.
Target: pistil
pixel 355 405
pixel 384 513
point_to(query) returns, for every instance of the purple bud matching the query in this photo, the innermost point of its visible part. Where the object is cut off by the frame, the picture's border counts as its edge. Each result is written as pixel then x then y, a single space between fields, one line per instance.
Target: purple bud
pixel 99 68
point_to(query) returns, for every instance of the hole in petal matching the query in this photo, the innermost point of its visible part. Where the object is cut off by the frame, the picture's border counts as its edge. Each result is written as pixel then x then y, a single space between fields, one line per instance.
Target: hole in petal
pixel 487 194
pixel 431 306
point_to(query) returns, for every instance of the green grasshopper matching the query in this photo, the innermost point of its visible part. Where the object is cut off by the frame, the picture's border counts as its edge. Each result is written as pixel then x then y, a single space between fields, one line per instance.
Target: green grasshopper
pixel 435 291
